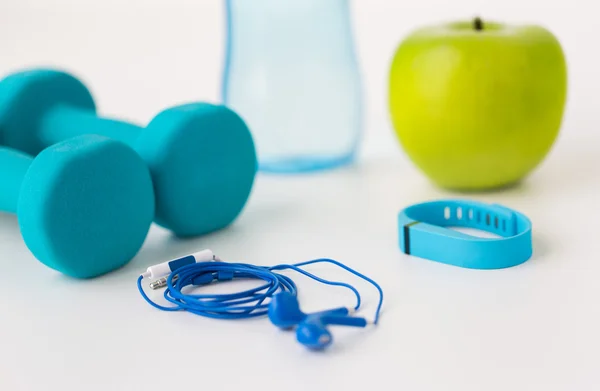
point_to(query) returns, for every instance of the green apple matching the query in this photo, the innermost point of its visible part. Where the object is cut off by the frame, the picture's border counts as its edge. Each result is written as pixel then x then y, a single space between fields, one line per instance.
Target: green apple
pixel 475 104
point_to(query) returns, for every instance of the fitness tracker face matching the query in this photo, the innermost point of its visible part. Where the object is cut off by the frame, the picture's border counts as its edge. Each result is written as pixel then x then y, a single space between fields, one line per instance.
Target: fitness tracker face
pixel 424 232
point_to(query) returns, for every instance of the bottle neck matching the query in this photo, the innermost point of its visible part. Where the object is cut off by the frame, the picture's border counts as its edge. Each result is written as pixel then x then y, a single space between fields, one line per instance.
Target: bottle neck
pixel 289 24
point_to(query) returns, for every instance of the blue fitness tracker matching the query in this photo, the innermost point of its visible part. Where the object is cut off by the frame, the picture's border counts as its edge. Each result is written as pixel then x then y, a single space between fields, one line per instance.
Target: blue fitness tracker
pixel 423 233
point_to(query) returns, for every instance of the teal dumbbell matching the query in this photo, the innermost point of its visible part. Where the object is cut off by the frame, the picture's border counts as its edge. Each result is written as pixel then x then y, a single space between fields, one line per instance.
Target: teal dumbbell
pixel 201 156
pixel 84 205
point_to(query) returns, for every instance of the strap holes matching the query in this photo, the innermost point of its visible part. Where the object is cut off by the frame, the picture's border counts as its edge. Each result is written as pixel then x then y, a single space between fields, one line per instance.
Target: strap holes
pixel 478 217
pixel 459 213
pixel 496 222
pixel 487 219
pixel 470 214
pixel 447 213
pixel 504 225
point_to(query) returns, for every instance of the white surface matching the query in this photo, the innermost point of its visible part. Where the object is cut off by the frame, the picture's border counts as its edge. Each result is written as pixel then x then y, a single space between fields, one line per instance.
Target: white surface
pixel 532 327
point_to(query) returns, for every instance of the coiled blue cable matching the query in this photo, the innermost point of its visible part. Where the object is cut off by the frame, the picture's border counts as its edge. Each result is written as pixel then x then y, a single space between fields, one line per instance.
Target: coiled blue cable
pixel 246 304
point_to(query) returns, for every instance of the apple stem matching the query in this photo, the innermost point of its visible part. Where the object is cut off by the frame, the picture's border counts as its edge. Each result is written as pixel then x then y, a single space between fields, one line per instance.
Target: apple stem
pixel 478 24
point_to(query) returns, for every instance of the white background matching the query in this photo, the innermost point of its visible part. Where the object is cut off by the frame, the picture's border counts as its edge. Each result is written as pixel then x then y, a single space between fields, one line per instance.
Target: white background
pixel 535 326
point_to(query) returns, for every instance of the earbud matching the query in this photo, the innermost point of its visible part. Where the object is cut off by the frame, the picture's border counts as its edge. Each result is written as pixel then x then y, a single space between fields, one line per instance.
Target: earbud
pixel 313 333
pixel 284 311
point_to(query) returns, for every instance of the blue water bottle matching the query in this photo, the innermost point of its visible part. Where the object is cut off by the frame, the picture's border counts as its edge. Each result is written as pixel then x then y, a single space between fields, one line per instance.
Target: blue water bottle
pixel 292 73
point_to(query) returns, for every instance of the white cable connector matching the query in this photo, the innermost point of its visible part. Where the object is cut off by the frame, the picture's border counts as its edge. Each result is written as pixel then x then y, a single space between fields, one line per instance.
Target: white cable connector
pixel 165 268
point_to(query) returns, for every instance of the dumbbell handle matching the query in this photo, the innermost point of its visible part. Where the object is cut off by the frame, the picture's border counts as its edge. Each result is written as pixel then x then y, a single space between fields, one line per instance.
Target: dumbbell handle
pixel 13 167
pixel 63 122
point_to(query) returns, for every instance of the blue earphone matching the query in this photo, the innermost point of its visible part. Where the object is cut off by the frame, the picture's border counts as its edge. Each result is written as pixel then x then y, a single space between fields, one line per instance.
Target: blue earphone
pixel 277 297
pixel 311 329
pixel 284 311
pixel 313 333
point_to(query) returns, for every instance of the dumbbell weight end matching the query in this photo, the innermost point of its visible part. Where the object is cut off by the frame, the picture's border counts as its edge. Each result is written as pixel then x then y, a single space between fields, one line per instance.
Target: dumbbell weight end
pixel 84 205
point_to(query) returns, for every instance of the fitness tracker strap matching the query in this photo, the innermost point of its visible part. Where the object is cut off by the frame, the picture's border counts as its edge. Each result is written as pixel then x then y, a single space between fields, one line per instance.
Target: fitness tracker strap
pixel 423 233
